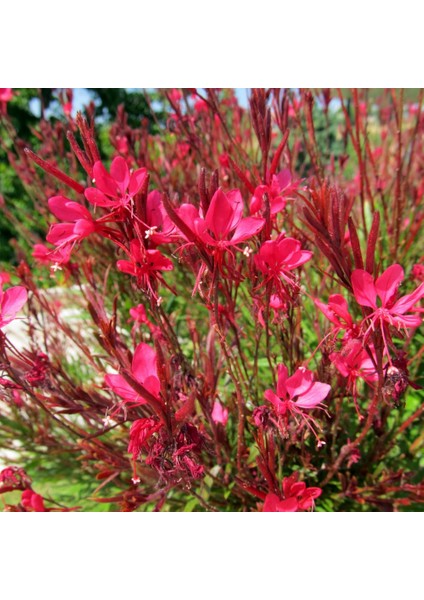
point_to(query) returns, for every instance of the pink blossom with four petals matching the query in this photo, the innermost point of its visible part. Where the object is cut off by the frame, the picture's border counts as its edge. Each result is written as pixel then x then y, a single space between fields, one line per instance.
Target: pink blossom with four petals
pixel 296 393
pixel 223 225
pixel 277 258
pixel 279 191
pixel 391 311
pixel 117 188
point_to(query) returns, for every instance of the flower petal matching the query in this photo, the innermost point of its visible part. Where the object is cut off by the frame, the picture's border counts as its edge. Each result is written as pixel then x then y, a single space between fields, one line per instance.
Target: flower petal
pixel 314 395
pixel 136 181
pixel 387 284
pixel 13 300
pixel 67 210
pixel 118 384
pixel 144 363
pixel 220 215
pixel 247 228
pixel 120 173
pixel 98 198
pixel 407 302
pixel 364 288
pixel 104 181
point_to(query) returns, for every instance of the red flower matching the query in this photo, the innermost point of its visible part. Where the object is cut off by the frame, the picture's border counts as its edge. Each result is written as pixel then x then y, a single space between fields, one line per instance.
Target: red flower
pixel 299 391
pixel 277 258
pixel 296 496
pixel 279 191
pixel 354 362
pixel 144 264
pixel 4 277
pixel 81 224
pixel 11 302
pixel 116 189
pixel 46 256
pixel 337 311
pixel 144 370
pixel 6 94
pixel 385 287
pixel 223 225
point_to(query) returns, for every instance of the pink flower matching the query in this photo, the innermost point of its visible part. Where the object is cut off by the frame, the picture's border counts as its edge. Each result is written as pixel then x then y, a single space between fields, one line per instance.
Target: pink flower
pixel 11 302
pixel 296 496
pixel 46 256
pixel 385 287
pixel 144 264
pixel 337 312
pixel 116 189
pixel 144 370
pixel 277 258
pixel 299 391
pixel 138 314
pixel 279 191
pixel 223 225
pixel 219 413
pixel 276 304
pixel 80 224
pixel 354 362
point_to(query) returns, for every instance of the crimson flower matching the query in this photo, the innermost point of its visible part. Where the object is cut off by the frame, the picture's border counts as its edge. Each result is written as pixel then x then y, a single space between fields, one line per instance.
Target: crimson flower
pixel 354 362
pixel 279 191
pixel 337 312
pixel 46 256
pixel 11 302
pixel 144 370
pixel 223 224
pixel 300 391
pixel 116 189
pixel 138 314
pixel 385 287
pixel 144 264
pixel 296 496
pixel 277 258
pixel 80 224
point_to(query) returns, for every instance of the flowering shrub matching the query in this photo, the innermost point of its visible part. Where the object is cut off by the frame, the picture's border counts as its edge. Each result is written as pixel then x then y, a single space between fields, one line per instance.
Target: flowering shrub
pixel 212 311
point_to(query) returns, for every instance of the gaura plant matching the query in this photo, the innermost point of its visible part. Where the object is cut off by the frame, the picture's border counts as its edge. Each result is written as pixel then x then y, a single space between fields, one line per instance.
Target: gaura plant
pixel 217 310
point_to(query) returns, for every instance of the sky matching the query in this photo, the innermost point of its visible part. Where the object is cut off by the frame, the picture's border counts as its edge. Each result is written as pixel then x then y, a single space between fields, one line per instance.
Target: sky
pixel 82 97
